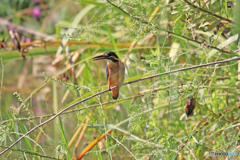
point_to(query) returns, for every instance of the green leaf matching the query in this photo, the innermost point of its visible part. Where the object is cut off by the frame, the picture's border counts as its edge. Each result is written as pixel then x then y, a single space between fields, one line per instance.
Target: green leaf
pixel 184 39
pixel 58 31
pixel 26 139
pixel 223 44
pixel 18 144
pixel 113 41
pixel 74 24
pixel 89 2
pixel 63 138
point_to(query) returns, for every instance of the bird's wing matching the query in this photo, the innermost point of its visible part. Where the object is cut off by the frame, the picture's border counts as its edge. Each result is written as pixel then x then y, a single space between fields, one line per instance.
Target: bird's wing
pixel 107 71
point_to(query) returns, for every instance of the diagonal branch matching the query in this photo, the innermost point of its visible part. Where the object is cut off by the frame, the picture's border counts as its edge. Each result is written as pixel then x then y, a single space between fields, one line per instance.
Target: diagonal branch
pixel 206 11
pixel 95 105
pixel 87 107
pixel 130 82
pixel 149 23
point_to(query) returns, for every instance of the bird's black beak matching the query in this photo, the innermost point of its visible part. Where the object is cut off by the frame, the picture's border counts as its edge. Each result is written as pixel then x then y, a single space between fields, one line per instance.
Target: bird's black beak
pixel 100 58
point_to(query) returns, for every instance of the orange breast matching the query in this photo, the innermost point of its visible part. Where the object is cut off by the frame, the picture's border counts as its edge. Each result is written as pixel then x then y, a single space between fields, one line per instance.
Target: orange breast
pixel 116 77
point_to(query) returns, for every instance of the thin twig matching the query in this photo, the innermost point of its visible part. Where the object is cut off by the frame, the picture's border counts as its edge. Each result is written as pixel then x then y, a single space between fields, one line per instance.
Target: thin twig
pixel 206 11
pixel 99 93
pixel 123 146
pixel 28 152
pixel 149 23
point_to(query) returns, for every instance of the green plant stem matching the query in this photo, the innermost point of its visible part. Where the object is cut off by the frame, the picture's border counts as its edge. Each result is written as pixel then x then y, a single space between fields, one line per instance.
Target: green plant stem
pixel 1 89
pixel 55 110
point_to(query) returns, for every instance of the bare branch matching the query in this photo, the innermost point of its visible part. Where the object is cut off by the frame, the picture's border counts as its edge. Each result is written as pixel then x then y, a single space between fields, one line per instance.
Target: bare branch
pixel 99 93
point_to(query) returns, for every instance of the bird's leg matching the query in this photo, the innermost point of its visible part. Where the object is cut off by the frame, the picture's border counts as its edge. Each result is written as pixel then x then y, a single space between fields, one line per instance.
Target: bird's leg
pixel 109 88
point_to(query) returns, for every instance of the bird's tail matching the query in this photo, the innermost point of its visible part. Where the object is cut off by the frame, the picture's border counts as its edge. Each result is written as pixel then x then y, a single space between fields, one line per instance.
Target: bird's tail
pixel 115 92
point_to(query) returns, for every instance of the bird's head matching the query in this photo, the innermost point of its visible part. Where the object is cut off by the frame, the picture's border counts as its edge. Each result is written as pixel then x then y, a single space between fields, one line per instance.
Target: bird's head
pixel 109 56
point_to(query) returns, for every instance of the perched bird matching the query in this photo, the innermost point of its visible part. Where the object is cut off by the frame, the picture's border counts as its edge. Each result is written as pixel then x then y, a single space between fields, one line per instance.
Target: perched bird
pixel 115 71
pixel 190 106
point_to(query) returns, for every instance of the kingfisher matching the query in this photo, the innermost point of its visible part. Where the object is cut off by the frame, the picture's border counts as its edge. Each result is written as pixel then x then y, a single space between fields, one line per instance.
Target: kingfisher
pixel 115 71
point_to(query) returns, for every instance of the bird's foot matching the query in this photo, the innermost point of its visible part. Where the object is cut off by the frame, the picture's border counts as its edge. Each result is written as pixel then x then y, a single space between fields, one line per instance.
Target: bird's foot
pixel 109 89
